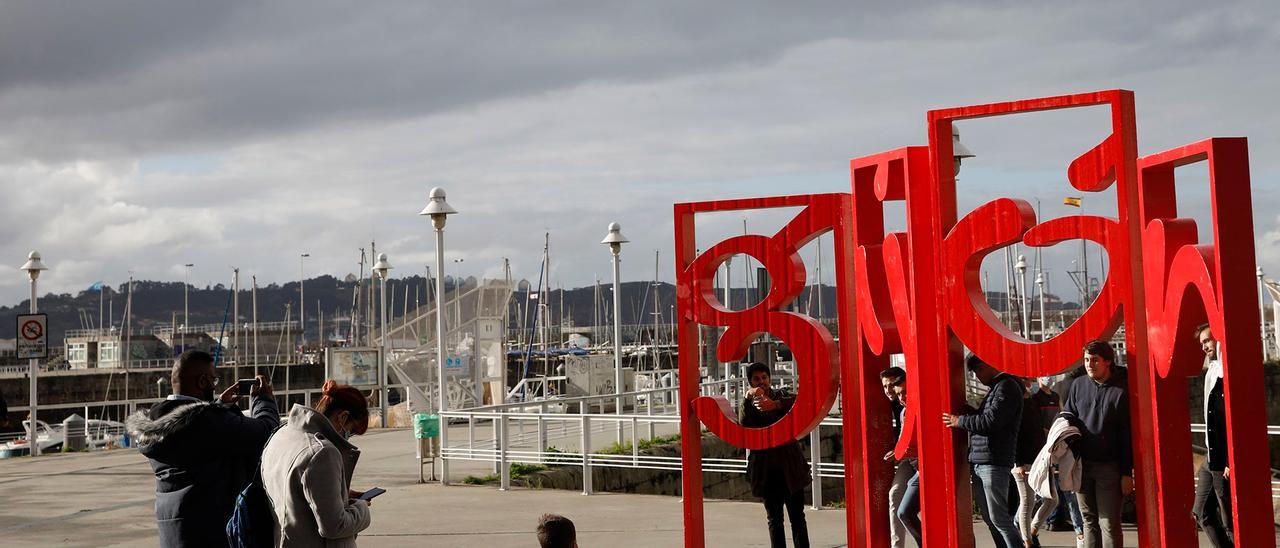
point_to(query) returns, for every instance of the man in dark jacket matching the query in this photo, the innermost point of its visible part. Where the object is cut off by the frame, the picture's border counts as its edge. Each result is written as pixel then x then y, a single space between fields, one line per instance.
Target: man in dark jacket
pixel 202 452
pixel 1213 489
pixel 993 436
pixel 1099 406
pixel 778 474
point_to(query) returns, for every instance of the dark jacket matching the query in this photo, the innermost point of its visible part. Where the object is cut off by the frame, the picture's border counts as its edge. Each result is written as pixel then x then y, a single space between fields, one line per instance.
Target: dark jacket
pixel 776 467
pixel 1048 405
pixel 994 428
pixel 1216 428
pixel 1101 411
pixel 1031 434
pixel 202 454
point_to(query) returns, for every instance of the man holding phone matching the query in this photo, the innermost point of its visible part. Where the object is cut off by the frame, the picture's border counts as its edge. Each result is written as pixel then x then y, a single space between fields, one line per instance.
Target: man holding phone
pixel 203 451
pixel 778 474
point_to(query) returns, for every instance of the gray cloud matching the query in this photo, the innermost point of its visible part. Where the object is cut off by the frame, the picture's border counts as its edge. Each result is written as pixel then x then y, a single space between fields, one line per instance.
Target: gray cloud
pixel 140 136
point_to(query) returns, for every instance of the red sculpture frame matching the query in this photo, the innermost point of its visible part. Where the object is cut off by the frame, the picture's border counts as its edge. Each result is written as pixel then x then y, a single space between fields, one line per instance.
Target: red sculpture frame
pixel 917 293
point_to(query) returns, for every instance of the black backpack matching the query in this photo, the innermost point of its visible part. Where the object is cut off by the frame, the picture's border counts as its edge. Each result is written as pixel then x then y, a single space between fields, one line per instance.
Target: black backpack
pixel 253 522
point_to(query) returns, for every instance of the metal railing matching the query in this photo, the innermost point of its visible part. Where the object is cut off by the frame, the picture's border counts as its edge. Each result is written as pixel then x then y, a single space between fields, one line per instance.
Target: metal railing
pixel 535 425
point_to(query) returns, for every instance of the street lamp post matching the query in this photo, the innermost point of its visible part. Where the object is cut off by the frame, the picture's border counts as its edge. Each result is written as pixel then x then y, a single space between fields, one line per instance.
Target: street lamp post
pixel 439 210
pixel 614 240
pixel 382 268
pixel 33 266
pixel 302 299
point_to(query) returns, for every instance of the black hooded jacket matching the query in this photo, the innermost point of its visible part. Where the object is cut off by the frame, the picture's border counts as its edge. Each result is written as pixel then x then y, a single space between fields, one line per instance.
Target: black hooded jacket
pixel 202 454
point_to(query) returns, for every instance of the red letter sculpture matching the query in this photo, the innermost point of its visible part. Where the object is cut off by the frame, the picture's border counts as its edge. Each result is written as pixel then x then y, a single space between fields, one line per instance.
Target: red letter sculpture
pixel 918 294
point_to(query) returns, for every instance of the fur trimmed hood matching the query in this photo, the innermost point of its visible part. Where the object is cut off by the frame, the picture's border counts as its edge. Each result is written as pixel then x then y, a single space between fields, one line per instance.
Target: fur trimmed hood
pixel 174 416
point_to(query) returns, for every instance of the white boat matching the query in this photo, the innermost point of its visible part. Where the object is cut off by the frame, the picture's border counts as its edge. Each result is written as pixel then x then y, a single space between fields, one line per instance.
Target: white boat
pixel 49 438
pixel 99 434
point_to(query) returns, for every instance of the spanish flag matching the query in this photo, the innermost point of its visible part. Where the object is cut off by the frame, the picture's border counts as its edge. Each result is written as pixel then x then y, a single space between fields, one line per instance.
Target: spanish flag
pixel 1072 201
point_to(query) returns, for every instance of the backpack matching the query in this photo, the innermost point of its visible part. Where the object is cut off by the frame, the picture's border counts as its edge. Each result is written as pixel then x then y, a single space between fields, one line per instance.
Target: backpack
pixel 253 522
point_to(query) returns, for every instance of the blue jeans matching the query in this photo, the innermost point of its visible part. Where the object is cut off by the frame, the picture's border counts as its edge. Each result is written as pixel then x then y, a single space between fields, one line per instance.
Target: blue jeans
pixel 909 509
pixel 991 491
pixel 1067 503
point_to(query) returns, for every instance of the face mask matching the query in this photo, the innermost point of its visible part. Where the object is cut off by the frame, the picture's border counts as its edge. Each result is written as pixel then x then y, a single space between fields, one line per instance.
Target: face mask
pixel 346 435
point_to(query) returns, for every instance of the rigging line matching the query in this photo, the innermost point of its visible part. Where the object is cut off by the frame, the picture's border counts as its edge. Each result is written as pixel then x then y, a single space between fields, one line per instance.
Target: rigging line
pixel 529 347
pixel 226 312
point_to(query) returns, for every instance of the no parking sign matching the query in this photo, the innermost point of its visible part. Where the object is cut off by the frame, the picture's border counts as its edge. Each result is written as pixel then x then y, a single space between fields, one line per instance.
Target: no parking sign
pixel 33 336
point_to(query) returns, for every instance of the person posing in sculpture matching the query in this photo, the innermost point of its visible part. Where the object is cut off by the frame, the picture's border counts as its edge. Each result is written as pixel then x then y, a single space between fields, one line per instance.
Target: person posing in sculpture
pixel 993 436
pixel 894 381
pixel 202 452
pixel 778 474
pixel 1098 405
pixel 1213 488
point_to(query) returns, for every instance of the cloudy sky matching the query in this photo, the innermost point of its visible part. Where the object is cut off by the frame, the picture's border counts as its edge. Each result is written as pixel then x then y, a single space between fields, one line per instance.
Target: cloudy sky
pixel 142 135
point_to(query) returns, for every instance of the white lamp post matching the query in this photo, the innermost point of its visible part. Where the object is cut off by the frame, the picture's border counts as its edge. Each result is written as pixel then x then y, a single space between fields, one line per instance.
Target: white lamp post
pixel 381 269
pixel 33 266
pixel 439 210
pixel 1021 269
pixel 614 240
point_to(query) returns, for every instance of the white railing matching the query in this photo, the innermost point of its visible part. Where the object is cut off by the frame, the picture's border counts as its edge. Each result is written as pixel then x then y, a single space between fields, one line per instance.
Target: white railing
pixel 534 425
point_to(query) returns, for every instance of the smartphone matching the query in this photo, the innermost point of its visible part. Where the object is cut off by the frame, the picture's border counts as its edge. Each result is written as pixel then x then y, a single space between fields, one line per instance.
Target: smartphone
pixel 246 385
pixel 368 495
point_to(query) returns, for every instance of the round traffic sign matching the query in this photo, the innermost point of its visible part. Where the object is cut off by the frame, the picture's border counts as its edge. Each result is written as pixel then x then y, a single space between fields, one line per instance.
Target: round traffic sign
pixel 32 330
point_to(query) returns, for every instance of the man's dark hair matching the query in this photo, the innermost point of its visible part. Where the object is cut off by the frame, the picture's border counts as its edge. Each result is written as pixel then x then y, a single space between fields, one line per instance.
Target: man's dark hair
pixel 1200 328
pixel 972 362
pixel 189 366
pixel 757 367
pixel 556 532
pixel 898 374
pixel 1100 349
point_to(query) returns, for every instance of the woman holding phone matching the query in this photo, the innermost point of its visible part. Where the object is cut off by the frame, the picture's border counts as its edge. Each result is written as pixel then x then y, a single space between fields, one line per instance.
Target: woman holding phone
pixel 307 468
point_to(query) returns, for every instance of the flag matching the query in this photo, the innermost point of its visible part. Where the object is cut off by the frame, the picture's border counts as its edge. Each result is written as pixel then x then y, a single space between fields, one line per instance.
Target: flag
pixel 97 286
pixel 1072 201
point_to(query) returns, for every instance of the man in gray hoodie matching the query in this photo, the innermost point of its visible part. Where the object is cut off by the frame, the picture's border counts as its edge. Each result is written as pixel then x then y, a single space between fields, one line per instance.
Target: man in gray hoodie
pixel 202 452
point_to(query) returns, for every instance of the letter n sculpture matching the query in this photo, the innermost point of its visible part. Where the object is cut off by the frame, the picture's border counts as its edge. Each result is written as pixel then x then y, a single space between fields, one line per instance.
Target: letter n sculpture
pixel 917 293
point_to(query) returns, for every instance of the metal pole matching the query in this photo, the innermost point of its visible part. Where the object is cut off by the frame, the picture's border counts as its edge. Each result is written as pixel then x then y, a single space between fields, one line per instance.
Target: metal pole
pixel 302 300
pixel 382 364
pixel 617 328
pixel 1040 288
pixel 1262 315
pixel 235 319
pixel 34 367
pixel 442 402
pixel 254 298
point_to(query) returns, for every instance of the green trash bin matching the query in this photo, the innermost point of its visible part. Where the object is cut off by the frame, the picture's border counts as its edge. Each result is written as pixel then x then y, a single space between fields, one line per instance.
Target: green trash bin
pixel 426 426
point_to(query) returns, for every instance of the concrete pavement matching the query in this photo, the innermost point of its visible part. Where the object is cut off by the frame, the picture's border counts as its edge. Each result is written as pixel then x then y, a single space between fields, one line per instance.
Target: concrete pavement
pixel 105 499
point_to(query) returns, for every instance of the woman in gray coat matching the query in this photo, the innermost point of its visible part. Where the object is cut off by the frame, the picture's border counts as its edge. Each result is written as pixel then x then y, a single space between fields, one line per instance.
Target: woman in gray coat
pixel 307 468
